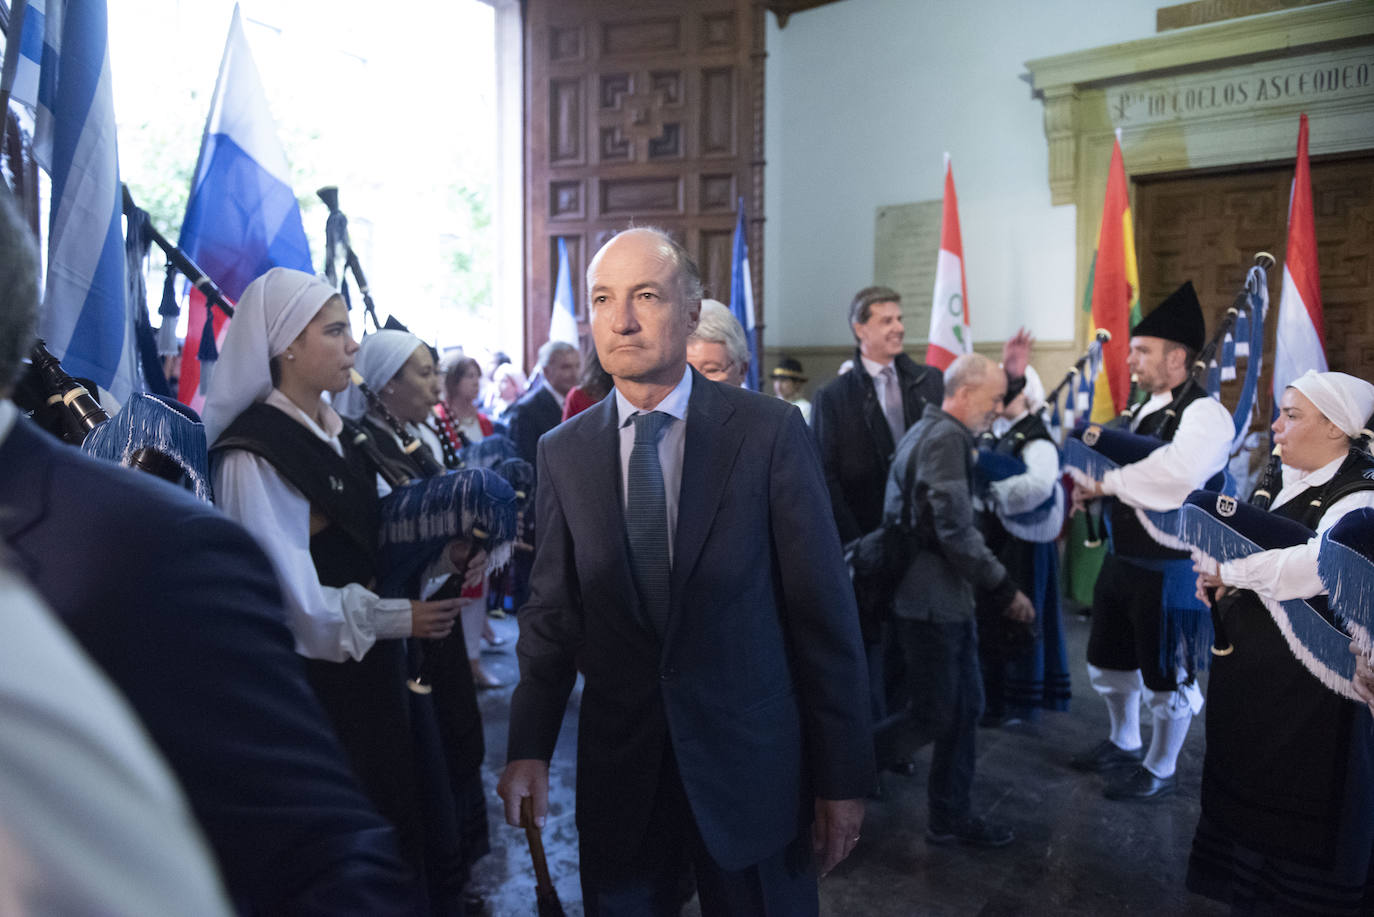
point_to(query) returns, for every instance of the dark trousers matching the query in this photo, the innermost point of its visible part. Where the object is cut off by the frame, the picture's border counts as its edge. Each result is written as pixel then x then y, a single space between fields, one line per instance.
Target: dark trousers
pixel 658 880
pixel 946 702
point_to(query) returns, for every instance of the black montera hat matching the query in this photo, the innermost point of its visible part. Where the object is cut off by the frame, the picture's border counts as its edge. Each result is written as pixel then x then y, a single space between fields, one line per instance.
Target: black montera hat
pixel 1177 319
pixel 789 368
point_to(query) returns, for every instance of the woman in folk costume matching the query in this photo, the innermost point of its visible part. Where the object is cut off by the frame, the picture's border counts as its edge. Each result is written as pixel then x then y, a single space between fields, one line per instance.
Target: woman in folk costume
pixel 1025 515
pixel 456 421
pixel 401 369
pixel 1287 822
pixel 281 469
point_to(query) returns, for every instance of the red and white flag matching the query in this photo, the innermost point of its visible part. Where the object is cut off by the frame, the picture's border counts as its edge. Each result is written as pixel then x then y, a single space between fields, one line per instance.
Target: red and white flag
pixel 1301 331
pixel 949 327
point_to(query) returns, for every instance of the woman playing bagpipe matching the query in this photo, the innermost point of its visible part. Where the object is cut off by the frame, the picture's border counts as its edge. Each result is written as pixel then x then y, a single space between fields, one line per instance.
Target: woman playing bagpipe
pixel 1025 669
pixel 283 471
pixel 1287 822
pixel 402 369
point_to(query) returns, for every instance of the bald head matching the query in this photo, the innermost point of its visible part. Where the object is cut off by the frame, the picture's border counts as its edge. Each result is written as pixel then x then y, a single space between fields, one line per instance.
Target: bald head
pixel 645 297
pixel 974 386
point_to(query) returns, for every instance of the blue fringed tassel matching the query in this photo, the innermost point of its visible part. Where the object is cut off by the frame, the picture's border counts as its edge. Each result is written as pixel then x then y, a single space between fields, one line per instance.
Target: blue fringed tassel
pixel 1344 565
pixel 1093 464
pixel 149 422
pixel 1186 624
pixel 207 353
pixel 420 518
pixel 170 312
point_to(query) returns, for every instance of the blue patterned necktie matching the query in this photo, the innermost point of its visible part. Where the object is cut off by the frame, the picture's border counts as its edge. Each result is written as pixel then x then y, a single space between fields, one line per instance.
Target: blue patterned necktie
pixel 646 519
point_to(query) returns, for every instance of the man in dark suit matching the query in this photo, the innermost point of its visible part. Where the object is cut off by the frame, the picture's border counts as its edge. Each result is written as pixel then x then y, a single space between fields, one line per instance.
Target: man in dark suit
pixel 688 564
pixel 182 611
pixel 541 408
pixel 859 417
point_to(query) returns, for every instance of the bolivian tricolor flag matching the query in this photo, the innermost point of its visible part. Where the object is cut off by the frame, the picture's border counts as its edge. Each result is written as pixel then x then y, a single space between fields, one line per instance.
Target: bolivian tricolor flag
pixel 1113 293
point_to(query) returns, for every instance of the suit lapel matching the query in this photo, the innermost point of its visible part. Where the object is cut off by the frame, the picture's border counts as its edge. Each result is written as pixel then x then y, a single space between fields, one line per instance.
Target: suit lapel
pixel 872 411
pixel 604 498
pixel 708 456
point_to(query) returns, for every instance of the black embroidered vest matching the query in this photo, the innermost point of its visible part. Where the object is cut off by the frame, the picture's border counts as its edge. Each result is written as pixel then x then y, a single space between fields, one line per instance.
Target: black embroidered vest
pixel 1129 538
pixel 342 490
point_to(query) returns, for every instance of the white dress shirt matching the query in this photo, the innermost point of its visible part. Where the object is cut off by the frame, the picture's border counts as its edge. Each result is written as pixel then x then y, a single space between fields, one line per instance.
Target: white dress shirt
pixel 671 443
pixel 328 623
pixel 1291 573
pixel 1163 479
pixel 873 369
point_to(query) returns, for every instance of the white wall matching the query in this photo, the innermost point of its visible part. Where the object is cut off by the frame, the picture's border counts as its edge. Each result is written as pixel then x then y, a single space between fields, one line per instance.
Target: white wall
pixel 864 97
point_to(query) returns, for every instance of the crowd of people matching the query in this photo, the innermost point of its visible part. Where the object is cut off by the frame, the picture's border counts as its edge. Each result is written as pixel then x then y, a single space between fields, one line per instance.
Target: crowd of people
pixel 248 709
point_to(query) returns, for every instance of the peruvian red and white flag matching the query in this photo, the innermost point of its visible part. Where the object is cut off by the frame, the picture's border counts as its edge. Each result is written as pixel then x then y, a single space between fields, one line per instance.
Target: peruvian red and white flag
pixel 1301 331
pixel 949 327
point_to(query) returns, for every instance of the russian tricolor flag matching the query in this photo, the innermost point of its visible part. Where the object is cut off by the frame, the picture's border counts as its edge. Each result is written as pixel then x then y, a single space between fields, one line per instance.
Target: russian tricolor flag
pixel 242 217
pixel 1301 332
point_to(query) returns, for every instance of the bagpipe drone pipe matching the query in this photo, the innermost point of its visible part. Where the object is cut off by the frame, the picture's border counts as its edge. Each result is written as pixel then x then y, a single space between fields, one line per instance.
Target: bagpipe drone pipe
pixel 1039 525
pixel 1224 529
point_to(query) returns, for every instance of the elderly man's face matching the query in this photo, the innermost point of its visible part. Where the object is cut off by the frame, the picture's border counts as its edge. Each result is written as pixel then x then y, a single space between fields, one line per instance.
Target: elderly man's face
pixel 712 360
pixel 639 321
pixel 563 369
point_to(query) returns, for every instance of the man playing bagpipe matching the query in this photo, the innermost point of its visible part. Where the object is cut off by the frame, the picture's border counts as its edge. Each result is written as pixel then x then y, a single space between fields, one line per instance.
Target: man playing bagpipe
pixel 1287 819
pixel 1146 623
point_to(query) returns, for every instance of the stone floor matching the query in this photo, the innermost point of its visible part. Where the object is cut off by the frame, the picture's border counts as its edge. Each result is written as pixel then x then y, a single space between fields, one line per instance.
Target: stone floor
pixel 1076 853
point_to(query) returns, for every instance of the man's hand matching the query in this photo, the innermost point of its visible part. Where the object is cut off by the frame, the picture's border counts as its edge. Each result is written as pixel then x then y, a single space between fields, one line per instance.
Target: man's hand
pixel 1209 585
pixel 1016 353
pixel 835 831
pixel 1020 608
pixel 525 777
pixel 433 620
pixel 1085 490
pixel 473 573
pixel 1364 676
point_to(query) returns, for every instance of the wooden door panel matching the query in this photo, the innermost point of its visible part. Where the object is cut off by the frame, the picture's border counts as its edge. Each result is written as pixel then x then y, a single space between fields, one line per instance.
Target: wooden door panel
pixel 645 114
pixel 1207 228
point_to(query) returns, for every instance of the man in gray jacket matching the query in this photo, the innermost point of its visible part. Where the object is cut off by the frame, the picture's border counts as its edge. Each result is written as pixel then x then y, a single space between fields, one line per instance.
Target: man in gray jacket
pixel 934 603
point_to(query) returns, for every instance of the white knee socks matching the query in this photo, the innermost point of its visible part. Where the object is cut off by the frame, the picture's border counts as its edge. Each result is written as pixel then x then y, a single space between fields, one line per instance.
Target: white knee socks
pixel 1121 690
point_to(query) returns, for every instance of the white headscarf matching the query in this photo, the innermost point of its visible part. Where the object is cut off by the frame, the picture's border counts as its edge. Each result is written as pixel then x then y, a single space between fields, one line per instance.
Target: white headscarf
pixel 1346 401
pixel 271 313
pixel 381 356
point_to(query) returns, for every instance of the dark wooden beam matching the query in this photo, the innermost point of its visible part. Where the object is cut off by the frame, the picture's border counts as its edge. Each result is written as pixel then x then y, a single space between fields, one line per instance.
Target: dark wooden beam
pixel 784 9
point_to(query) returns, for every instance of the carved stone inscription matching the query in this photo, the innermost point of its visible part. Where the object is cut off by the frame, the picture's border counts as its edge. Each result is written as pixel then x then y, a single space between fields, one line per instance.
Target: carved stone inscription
pixel 906 243
pixel 1325 77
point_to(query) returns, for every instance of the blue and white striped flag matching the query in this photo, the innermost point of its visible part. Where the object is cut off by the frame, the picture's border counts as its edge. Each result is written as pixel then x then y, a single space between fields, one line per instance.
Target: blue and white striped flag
pixel 742 297
pixel 563 321
pixel 87 320
pixel 24 58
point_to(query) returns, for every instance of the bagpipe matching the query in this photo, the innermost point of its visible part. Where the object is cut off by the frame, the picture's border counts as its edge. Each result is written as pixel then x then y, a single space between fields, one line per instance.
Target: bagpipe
pixel 156 435
pixel 1225 529
pixel 338 248
pixel 1093 449
pixel 1041 524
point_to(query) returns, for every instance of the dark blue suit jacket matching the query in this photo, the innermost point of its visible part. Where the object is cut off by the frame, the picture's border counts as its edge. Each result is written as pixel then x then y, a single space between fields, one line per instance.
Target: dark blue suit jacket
pixel 760 680
pixel 536 413
pixel 182 611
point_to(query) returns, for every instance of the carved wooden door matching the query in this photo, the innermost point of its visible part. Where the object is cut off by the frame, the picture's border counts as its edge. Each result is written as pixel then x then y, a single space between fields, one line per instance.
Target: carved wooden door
pixel 1207 228
pixel 644 114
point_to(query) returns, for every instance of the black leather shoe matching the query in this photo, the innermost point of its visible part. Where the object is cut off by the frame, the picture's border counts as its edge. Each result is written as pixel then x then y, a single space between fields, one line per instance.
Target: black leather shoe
pixel 1106 756
pixel 1140 785
pixel 973 832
